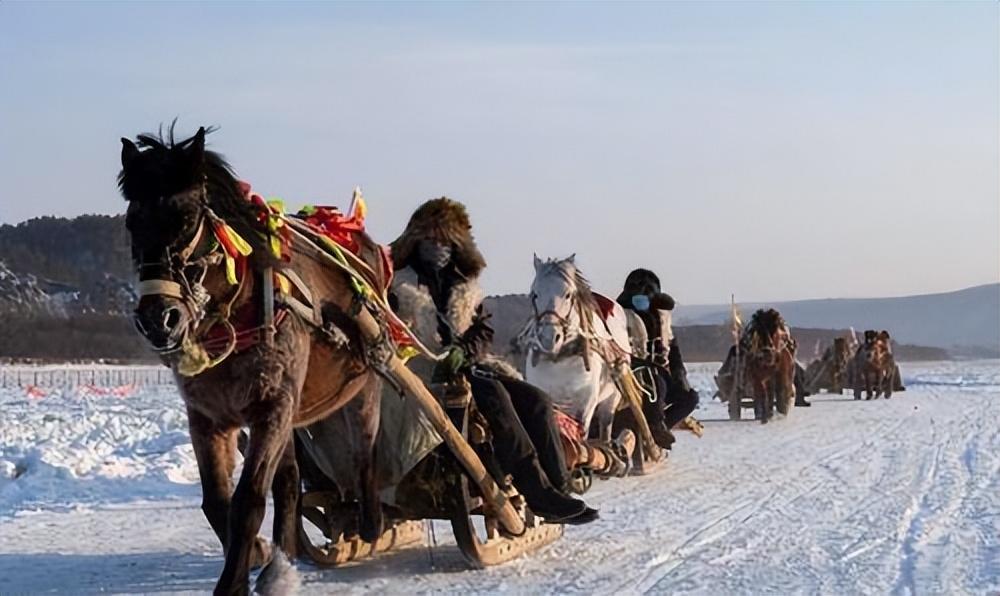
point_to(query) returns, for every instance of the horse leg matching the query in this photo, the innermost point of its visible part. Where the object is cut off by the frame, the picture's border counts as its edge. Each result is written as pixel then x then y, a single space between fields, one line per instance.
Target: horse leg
pixel 591 402
pixel 214 449
pixel 269 437
pixel 605 412
pixel 759 403
pixel 768 402
pixel 363 420
pixel 285 490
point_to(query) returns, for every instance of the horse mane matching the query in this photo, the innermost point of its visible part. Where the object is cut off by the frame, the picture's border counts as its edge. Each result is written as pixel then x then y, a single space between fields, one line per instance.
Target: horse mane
pixel 169 158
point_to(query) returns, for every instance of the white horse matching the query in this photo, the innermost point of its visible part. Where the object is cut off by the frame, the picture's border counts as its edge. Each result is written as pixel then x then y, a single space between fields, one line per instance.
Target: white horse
pixel 573 353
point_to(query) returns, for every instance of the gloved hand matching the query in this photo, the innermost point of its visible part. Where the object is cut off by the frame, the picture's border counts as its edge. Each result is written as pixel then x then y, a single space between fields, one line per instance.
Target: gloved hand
pixel 446 370
pixel 478 338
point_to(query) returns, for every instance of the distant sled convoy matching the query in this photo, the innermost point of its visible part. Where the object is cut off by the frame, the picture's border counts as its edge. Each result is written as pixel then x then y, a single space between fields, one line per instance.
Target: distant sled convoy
pixel 761 370
pixel 368 383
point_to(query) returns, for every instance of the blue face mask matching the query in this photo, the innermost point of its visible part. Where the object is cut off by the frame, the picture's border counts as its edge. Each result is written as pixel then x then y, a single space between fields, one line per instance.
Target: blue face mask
pixel 640 302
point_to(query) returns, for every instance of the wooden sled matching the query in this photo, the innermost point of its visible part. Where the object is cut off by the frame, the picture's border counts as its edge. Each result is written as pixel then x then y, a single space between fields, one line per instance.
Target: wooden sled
pixel 489 546
pixel 437 488
pixel 325 543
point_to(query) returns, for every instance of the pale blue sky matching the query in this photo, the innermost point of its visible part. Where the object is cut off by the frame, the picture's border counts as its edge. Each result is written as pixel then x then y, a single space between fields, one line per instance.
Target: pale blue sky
pixel 776 150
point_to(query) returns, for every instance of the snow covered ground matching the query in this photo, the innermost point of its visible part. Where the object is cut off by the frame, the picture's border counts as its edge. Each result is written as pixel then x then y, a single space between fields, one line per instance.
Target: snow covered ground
pixel 98 493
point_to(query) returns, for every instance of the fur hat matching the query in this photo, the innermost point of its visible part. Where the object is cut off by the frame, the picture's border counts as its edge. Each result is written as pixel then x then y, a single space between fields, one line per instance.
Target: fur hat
pixel 442 220
pixel 639 281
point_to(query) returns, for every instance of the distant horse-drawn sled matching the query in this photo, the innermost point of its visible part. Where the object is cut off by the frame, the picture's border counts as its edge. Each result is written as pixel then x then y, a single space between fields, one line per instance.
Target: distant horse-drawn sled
pixel 868 367
pixel 761 371
pixel 366 381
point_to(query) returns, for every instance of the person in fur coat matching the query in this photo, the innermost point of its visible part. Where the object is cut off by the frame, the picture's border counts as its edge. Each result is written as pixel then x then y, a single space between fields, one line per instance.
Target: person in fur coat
pixel 642 295
pixel 435 289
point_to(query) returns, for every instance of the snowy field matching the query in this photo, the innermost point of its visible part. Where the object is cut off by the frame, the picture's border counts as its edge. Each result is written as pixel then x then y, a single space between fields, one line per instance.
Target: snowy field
pixel 98 493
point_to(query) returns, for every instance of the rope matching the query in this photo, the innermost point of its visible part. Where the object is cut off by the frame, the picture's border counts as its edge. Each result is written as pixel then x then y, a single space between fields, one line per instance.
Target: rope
pixel 373 296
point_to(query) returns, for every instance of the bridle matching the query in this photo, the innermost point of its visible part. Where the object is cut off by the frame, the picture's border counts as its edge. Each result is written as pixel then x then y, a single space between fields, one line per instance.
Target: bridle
pixel 551 318
pixel 171 280
pixel 577 341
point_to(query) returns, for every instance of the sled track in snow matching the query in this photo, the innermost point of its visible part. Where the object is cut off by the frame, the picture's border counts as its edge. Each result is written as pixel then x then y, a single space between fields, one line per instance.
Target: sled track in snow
pixel 899 496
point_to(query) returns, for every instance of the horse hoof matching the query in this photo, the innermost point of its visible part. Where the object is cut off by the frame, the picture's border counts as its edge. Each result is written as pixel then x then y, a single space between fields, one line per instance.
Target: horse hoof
pixel 279 578
pixel 261 555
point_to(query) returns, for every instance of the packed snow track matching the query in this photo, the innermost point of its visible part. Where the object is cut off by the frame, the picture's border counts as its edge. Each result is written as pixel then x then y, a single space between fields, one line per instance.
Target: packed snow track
pixel 98 493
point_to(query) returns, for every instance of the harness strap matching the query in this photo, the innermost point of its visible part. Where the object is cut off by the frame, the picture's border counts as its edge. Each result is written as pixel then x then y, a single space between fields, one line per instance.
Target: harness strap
pixel 299 285
pixel 305 308
pixel 195 241
pixel 302 309
pixel 161 287
pixel 267 291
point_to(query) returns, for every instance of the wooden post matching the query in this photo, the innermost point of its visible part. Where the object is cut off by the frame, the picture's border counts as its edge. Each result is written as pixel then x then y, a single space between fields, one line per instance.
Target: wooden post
pixel 496 501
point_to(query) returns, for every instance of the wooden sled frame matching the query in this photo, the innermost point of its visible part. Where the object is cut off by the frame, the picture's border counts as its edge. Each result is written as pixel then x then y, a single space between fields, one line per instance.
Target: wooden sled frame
pixel 323 510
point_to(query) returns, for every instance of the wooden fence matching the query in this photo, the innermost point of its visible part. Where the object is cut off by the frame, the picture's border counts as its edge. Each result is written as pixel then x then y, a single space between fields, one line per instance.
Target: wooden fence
pixel 77 375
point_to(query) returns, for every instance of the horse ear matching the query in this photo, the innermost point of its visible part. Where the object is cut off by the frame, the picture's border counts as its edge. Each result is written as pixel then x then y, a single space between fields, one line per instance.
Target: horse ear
pixel 571 259
pixel 129 152
pixel 538 262
pixel 197 151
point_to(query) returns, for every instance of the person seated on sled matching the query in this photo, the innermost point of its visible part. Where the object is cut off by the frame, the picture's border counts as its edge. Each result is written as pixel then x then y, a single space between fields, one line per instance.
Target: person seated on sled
pixel 436 290
pixel 870 337
pixel 676 399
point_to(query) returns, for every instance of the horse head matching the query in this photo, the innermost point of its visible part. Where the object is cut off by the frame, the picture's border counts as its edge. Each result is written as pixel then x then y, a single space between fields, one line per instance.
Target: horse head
pixel 176 192
pixel 554 300
pixel 763 341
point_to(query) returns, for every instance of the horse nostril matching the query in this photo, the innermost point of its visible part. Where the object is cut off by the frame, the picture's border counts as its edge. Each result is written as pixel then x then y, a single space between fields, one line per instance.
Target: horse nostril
pixel 171 317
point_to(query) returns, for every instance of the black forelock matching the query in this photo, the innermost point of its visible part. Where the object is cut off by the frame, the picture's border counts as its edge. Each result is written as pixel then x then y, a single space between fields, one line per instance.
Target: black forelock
pixel 165 166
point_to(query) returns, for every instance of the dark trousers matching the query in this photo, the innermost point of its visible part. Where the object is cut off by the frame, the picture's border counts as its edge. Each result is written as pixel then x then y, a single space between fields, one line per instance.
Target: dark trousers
pixel 675 397
pixel 534 409
pixel 680 403
pixel 522 424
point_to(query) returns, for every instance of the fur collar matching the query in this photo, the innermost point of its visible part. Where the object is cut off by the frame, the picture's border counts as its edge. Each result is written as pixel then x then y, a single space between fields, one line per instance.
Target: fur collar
pixel 416 307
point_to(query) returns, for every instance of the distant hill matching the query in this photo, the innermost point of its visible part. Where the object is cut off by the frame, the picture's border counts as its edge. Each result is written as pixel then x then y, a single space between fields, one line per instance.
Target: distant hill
pixel 967 322
pixel 66 290
pixel 65 293
pixel 72 251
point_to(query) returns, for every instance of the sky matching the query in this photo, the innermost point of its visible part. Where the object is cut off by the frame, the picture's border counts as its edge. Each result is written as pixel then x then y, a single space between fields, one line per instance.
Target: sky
pixel 775 150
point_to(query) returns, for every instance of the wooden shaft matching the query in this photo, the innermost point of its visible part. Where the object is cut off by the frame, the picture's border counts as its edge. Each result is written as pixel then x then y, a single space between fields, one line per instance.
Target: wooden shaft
pixel 496 501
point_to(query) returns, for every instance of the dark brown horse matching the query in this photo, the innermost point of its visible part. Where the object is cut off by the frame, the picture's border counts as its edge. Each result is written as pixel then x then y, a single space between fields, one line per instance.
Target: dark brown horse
pixel 768 353
pixel 284 372
pixel 874 366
